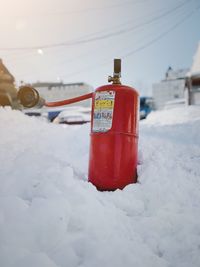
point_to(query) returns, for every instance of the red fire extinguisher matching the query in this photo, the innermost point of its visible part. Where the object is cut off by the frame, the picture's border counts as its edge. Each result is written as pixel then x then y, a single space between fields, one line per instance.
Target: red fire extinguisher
pixel 114 130
pixel 114 134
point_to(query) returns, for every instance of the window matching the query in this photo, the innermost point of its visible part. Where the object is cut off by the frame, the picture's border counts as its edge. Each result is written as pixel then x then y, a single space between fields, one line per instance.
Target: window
pixel 176 96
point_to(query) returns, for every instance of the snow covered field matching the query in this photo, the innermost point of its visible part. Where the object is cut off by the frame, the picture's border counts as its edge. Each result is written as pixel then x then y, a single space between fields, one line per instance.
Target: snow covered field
pixel 50 216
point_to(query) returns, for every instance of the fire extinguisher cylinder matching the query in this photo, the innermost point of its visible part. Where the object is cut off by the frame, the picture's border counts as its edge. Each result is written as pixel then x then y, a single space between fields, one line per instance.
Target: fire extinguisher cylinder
pixel 114 135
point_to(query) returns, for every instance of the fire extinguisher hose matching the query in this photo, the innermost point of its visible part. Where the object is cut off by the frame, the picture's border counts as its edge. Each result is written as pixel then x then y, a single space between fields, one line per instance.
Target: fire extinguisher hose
pixel 69 101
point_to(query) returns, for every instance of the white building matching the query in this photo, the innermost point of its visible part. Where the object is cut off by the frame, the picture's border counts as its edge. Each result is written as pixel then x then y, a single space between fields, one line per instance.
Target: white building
pixel 60 91
pixel 179 86
pixel 193 80
pixel 169 89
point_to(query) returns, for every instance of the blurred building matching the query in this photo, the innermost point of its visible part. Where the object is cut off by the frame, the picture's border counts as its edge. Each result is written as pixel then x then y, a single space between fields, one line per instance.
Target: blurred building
pixel 59 91
pixel 179 86
pixel 193 80
pixel 169 89
pixel 8 91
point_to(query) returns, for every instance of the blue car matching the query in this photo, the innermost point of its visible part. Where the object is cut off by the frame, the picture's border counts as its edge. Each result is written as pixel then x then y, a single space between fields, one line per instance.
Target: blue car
pixel 146 106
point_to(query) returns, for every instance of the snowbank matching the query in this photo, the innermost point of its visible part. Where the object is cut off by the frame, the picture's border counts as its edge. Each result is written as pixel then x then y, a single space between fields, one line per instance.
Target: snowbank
pixel 50 216
pixel 176 115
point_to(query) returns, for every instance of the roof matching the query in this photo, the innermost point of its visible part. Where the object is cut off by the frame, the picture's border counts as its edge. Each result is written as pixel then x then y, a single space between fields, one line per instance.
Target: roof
pixel 4 70
pixel 56 84
pixel 175 74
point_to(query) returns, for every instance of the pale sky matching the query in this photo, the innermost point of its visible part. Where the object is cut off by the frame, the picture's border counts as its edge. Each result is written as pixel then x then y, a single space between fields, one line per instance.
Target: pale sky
pixel 76 41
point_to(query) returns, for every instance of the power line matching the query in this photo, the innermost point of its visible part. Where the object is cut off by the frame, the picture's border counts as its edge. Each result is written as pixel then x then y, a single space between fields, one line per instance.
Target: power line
pixel 21 52
pixel 148 44
pixel 140 48
pixel 132 28
pixel 104 36
pixel 126 30
pixel 162 34
pixel 148 34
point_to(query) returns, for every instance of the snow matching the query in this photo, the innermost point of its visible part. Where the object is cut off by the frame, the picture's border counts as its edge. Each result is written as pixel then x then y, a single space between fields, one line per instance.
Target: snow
pixel 176 115
pixel 50 216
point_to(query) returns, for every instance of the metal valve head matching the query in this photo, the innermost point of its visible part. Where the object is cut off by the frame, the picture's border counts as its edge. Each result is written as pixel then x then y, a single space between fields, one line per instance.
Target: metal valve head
pixel 117 67
pixel 117 72
pixel 29 97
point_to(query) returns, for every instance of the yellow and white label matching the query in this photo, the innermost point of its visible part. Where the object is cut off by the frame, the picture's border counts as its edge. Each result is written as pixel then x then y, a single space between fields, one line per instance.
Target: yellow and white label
pixel 103 111
pixel 104 104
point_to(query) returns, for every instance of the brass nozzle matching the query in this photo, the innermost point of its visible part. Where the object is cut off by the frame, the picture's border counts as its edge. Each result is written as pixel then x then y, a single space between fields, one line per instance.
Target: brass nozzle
pixel 29 97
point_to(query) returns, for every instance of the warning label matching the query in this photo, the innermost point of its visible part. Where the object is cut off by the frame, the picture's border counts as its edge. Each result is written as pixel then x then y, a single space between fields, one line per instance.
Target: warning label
pixel 103 111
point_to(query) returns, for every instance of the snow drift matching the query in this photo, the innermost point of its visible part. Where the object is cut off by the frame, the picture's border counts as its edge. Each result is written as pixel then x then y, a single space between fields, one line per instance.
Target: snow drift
pixel 50 216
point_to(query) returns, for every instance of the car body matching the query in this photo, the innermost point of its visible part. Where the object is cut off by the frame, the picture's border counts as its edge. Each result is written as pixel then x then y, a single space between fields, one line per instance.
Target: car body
pixel 146 106
pixel 74 115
